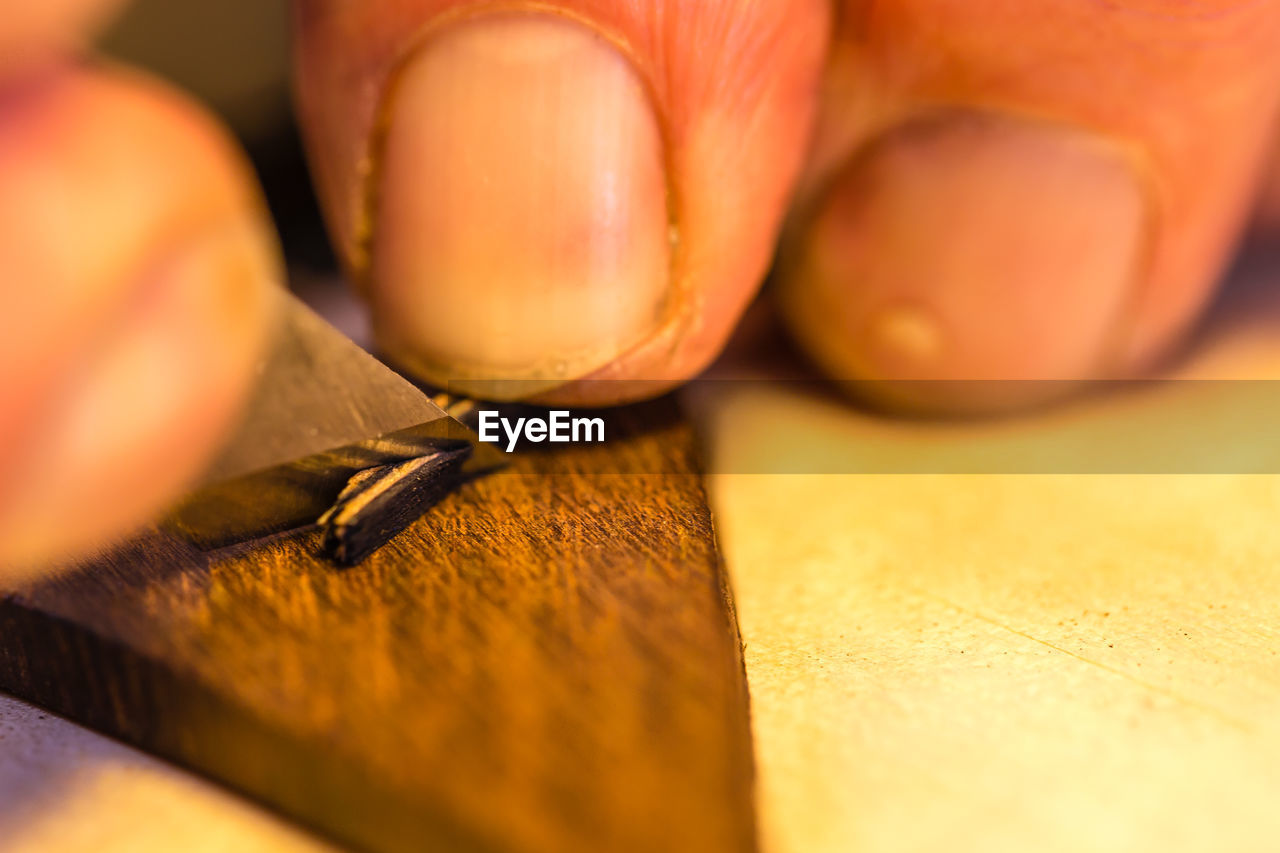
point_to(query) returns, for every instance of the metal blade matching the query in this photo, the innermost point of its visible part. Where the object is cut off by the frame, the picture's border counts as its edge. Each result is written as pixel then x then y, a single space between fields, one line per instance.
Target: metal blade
pixel 323 411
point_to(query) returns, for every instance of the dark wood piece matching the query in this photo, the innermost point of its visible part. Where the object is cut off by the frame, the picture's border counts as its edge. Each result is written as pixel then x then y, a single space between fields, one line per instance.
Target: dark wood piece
pixel 548 661
pixel 379 503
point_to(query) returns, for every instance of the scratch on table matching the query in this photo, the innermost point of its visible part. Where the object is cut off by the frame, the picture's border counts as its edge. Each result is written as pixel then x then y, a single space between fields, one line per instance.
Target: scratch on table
pixel 1203 707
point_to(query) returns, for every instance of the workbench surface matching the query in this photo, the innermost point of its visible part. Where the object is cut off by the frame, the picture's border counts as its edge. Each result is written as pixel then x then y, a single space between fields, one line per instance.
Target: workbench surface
pixel 991 662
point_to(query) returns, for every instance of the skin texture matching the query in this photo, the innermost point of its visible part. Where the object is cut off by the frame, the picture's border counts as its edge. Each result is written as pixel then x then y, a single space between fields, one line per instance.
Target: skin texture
pixel 960 189
pixel 733 88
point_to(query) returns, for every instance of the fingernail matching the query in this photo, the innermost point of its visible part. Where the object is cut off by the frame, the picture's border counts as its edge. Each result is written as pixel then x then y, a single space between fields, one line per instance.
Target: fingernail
pixel 972 248
pixel 522 231
pixel 148 408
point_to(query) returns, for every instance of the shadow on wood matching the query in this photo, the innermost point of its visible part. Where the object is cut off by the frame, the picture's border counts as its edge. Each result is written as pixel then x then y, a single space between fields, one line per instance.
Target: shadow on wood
pixel 546 662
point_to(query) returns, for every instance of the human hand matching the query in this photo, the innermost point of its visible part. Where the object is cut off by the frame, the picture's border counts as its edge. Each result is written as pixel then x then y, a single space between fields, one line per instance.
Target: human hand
pixel 595 190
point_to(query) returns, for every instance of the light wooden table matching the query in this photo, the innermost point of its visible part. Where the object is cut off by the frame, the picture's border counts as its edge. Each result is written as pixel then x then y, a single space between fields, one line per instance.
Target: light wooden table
pixel 1016 662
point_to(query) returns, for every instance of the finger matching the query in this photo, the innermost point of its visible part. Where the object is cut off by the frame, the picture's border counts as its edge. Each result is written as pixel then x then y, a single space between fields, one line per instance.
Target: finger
pixel 1044 191
pixel 35 32
pixel 138 262
pixel 592 189
pixel 1267 213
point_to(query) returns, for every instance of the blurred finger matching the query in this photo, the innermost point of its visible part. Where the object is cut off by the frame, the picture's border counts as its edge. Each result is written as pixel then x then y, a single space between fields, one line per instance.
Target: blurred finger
pixel 1040 192
pixel 139 266
pixel 36 32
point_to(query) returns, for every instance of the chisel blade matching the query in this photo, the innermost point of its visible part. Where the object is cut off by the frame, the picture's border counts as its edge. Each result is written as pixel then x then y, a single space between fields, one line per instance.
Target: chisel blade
pixel 322 412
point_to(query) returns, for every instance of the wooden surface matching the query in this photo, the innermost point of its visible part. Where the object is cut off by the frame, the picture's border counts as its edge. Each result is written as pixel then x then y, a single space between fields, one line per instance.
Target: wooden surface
pixel 1010 662
pixel 546 663
pixel 947 662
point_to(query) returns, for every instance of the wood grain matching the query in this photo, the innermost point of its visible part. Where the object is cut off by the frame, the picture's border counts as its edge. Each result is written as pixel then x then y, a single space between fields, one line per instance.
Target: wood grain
pixel 546 662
